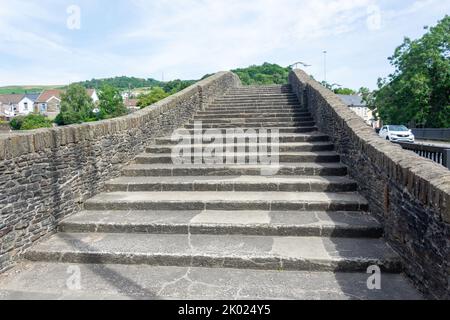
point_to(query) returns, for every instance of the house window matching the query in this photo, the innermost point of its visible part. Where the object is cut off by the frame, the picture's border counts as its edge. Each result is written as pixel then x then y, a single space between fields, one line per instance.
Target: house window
pixel 25 106
pixel 43 107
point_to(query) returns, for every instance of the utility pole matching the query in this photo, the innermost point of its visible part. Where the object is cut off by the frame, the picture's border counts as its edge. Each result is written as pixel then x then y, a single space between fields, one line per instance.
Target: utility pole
pixel 325 65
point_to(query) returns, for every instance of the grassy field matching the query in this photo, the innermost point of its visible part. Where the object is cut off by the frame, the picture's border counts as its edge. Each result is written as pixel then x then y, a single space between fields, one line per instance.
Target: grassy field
pixel 26 89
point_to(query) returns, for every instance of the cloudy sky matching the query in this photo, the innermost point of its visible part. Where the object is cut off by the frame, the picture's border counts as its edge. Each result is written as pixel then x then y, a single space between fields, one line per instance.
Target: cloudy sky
pixel 59 41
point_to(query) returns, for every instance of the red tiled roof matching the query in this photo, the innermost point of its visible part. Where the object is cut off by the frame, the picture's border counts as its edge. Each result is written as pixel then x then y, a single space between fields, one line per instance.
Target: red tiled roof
pixel 46 95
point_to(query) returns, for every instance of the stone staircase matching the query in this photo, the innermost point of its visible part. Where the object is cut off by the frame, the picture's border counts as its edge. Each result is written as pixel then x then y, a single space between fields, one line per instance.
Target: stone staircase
pixel 224 231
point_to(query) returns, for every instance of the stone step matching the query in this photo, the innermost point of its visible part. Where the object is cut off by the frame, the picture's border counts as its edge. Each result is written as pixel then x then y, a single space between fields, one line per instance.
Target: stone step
pixel 281 130
pixel 43 281
pixel 285 169
pixel 230 251
pixel 247 158
pixel 282 201
pixel 233 183
pixel 261 223
pixel 255 105
pixel 251 114
pixel 260 96
pixel 247 147
pixel 283 138
pixel 249 119
pixel 269 101
pixel 265 125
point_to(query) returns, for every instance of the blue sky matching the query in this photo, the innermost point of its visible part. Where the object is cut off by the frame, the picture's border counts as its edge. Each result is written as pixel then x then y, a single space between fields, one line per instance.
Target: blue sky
pixel 40 44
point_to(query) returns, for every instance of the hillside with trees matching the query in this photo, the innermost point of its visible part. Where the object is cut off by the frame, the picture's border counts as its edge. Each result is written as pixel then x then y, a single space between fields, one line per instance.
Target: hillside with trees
pixel 265 74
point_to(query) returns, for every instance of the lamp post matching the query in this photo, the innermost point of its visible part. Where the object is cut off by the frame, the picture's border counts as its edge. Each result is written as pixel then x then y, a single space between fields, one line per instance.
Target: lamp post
pixel 325 64
pixel 295 65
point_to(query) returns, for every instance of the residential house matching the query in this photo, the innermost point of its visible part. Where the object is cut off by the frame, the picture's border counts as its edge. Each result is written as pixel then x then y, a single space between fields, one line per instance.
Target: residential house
pixel 131 105
pixel 93 94
pixel 49 103
pixel 357 105
pixel 13 105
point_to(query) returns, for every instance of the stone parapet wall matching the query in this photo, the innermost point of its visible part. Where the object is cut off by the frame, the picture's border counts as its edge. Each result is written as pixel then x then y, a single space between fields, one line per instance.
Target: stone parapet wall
pixel 409 195
pixel 46 175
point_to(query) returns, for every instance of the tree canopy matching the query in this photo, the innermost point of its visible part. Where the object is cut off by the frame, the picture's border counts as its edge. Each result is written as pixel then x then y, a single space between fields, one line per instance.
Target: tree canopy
pixel 155 95
pixel 76 106
pixel 418 92
pixel 122 83
pixel 263 75
pixel 111 103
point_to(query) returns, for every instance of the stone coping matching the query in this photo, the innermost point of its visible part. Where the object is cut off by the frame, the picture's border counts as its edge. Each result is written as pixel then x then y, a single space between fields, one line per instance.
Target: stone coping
pixel 426 180
pixel 16 144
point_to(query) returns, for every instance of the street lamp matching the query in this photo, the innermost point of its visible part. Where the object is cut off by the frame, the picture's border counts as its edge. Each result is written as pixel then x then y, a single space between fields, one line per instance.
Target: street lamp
pixel 325 64
pixel 295 65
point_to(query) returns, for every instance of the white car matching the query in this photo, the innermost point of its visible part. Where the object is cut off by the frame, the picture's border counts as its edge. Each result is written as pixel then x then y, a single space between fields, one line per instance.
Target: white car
pixel 397 134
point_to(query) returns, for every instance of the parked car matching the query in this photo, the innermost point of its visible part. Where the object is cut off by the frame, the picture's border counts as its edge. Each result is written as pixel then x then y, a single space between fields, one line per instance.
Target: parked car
pixel 396 133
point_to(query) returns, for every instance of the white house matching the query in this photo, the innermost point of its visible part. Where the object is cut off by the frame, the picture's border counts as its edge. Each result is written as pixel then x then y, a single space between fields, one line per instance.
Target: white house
pixel 93 94
pixel 13 105
pixel 358 106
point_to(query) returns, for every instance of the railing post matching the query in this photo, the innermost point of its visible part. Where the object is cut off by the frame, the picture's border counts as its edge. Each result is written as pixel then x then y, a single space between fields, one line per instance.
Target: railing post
pixel 446 158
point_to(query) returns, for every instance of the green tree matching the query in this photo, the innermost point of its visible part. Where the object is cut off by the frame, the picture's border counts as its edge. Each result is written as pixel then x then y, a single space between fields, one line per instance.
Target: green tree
pixel 155 95
pixel 418 92
pixel 76 106
pixel 111 103
pixel 345 91
pixel 265 74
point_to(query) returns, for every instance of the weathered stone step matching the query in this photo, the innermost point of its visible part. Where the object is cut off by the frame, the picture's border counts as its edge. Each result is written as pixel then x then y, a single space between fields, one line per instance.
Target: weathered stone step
pixel 262 223
pixel 294 129
pixel 265 125
pixel 285 169
pixel 248 147
pixel 255 105
pixel 230 251
pixel 256 108
pixel 288 201
pixel 256 101
pixel 260 96
pixel 251 114
pixel 42 281
pixel 233 183
pixel 284 157
pixel 244 120
pixel 283 138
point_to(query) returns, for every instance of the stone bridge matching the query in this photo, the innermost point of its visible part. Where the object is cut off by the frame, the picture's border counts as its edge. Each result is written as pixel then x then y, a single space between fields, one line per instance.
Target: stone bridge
pixel 106 202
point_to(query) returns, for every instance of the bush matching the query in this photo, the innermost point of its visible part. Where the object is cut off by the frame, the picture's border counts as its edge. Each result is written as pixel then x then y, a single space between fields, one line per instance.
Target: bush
pixel 16 123
pixel 30 122
pixel 66 118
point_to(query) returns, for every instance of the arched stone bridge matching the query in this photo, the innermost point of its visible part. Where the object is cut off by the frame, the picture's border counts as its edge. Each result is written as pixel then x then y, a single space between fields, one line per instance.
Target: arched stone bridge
pixel 101 210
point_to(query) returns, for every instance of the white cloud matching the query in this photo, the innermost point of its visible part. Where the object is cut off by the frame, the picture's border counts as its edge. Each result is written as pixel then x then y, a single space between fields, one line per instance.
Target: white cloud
pixel 182 38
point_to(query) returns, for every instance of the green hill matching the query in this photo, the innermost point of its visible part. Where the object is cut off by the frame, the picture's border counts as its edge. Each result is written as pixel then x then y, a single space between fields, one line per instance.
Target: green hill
pixel 26 89
pixel 263 75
